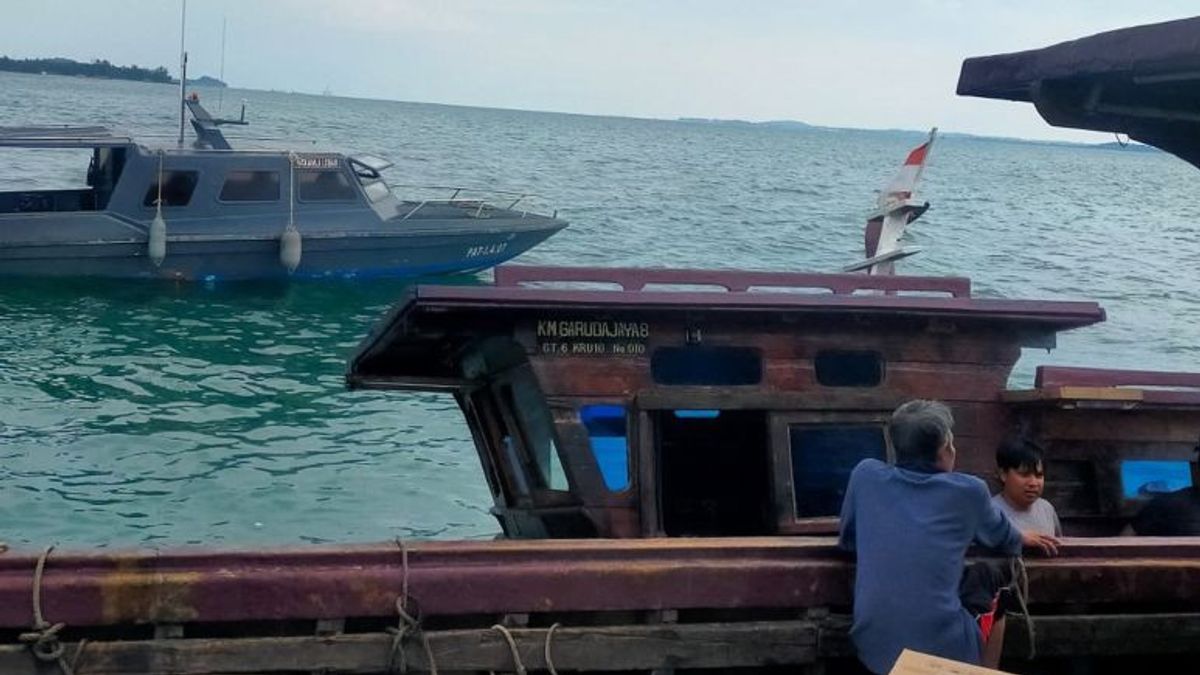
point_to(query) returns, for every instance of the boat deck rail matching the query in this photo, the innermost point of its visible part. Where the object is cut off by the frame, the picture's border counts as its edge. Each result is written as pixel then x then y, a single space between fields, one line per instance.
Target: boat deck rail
pixel 643 279
pixel 478 204
pixel 1114 386
pixel 505 576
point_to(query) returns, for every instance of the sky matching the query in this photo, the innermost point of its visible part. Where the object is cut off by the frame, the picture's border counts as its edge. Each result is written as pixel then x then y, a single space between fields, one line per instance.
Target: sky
pixel 850 63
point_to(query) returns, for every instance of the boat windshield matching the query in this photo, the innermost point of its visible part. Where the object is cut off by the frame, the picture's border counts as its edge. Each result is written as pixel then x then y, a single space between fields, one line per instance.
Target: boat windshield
pixel 367 170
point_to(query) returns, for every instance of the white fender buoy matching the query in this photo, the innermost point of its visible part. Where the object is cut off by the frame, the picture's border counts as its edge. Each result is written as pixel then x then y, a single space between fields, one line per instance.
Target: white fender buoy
pixel 290 248
pixel 157 244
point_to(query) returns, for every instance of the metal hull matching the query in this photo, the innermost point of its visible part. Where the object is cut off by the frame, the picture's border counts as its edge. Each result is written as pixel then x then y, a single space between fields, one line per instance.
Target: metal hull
pixel 325 255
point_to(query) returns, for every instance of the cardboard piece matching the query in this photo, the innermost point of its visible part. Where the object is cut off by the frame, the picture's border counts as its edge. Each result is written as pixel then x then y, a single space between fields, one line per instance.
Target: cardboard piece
pixel 916 663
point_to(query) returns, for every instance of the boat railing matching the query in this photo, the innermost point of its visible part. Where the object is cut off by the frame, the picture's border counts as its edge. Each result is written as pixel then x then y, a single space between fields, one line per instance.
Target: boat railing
pixel 477 199
pixel 656 279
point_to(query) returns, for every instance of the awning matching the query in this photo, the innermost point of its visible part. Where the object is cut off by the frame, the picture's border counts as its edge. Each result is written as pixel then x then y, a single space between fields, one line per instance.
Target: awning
pixel 1142 81
pixel 61 137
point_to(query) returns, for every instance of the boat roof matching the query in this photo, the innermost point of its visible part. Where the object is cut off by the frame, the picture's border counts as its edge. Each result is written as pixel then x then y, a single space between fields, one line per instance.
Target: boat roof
pixel 1143 81
pixel 415 331
pixel 61 137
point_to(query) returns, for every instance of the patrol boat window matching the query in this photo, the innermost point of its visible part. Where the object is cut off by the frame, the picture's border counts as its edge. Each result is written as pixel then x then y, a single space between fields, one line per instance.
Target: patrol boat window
pixel 324 186
pixel 367 169
pixel 177 188
pixel 250 186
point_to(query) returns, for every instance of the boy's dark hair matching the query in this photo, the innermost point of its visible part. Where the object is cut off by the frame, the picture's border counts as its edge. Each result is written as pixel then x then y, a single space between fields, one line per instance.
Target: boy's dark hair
pixel 919 429
pixel 1018 454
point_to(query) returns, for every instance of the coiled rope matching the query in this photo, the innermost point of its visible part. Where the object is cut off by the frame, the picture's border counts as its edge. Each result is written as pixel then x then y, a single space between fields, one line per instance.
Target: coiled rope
pixel 43 639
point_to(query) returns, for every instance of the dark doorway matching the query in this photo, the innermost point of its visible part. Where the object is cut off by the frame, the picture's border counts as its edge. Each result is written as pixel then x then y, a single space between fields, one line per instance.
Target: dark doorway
pixel 714 473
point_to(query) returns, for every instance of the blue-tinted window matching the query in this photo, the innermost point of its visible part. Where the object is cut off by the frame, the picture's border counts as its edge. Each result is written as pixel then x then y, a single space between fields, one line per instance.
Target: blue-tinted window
pixel 822 458
pixel 607 430
pixel 711 366
pixel 697 414
pixel 1146 478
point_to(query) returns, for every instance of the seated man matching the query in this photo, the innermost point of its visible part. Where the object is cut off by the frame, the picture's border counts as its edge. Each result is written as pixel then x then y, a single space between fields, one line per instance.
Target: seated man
pixel 1174 514
pixel 910 526
pixel 1022 479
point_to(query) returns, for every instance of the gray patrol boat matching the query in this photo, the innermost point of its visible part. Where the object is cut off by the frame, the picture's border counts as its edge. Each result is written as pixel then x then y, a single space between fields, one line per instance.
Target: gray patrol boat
pixel 210 211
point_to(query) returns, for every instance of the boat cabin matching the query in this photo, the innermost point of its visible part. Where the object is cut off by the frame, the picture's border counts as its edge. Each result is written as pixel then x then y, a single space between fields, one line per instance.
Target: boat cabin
pixel 643 403
pixel 124 177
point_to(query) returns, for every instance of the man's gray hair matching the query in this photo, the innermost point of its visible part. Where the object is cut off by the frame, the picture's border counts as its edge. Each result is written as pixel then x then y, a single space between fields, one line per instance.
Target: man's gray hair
pixel 919 429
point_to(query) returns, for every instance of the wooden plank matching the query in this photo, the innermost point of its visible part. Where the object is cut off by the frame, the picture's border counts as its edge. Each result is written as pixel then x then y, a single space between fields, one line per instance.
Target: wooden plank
pixel 594 649
pixel 1105 635
pixel 1071 394
pixel 916 663
pixel 1117 425
pixel 1102 377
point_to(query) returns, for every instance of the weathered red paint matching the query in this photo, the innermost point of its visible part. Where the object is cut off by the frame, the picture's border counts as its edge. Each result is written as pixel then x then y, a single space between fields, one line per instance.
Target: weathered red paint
pixel 448 578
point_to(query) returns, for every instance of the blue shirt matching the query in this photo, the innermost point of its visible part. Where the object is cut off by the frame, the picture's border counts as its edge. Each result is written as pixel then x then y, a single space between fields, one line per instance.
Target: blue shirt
pixel 910 530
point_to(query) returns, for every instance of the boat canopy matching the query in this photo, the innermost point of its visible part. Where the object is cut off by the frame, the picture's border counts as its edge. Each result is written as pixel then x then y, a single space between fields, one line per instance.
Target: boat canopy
pixel 1142 81
pixel 61 137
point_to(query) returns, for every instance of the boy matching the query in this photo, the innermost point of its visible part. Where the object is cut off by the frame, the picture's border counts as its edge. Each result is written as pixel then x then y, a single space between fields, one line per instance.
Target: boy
pixel 909 526
pixel 1022 479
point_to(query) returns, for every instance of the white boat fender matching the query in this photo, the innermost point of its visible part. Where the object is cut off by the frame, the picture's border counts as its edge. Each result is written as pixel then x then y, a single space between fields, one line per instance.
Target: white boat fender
pixel 156 240
pixel 290 246
pixel 157 244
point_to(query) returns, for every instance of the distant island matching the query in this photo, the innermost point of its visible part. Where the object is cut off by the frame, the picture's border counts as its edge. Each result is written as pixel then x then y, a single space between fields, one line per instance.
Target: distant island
pixel 98 68
pixel 206 81
pixel 1129 146
pixel 779 124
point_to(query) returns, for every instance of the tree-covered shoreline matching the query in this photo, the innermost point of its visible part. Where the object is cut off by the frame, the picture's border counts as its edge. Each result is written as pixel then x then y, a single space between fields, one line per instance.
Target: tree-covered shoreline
pixel 98 68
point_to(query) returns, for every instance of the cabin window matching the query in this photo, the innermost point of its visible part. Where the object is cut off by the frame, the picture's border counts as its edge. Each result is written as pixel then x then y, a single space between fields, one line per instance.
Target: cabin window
pixel 608 436
pixel 324 186
pixel 177 188
pixel 842 368
pixel 250 186
pixel 537 430
pixel 1141 479
pixel 823 457
pixel 707 366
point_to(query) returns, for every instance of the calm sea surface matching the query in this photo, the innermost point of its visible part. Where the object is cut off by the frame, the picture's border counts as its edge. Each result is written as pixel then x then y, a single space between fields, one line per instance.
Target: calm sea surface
pixel 136 414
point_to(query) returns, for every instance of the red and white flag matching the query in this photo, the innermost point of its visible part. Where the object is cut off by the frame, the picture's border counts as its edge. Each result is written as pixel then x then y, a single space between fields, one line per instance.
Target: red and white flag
pixel 902 186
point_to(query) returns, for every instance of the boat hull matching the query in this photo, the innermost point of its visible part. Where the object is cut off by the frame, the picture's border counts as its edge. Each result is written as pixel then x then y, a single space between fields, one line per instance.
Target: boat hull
pixel 324 254
pixel 618 604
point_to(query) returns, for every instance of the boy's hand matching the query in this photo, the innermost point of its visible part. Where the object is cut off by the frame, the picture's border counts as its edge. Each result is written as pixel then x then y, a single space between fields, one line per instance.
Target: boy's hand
pixel 1045 542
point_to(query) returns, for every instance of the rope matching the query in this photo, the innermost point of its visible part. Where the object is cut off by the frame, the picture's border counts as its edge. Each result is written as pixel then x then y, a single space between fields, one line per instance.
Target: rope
pixel 512 647
pixel 1020 578
pixel 549 637
pixel 43 638
pixel 409 623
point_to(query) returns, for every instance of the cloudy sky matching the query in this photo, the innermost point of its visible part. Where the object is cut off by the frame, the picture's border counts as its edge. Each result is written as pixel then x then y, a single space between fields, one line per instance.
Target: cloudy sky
pixel 852 63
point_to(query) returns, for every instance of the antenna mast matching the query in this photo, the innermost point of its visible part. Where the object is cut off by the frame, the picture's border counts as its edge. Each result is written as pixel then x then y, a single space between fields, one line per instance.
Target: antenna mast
pixel 221 91
pixel 182 70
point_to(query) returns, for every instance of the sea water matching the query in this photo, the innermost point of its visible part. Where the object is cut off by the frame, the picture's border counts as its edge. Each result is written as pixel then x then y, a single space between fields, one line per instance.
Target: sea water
pixel 156 414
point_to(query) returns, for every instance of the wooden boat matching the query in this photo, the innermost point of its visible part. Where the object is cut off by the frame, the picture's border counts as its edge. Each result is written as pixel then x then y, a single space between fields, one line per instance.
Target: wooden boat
pixel 666 450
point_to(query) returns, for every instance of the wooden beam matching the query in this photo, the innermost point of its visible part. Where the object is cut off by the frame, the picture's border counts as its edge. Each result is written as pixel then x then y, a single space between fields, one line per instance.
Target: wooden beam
pixel 640 647
pixel 1111 634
